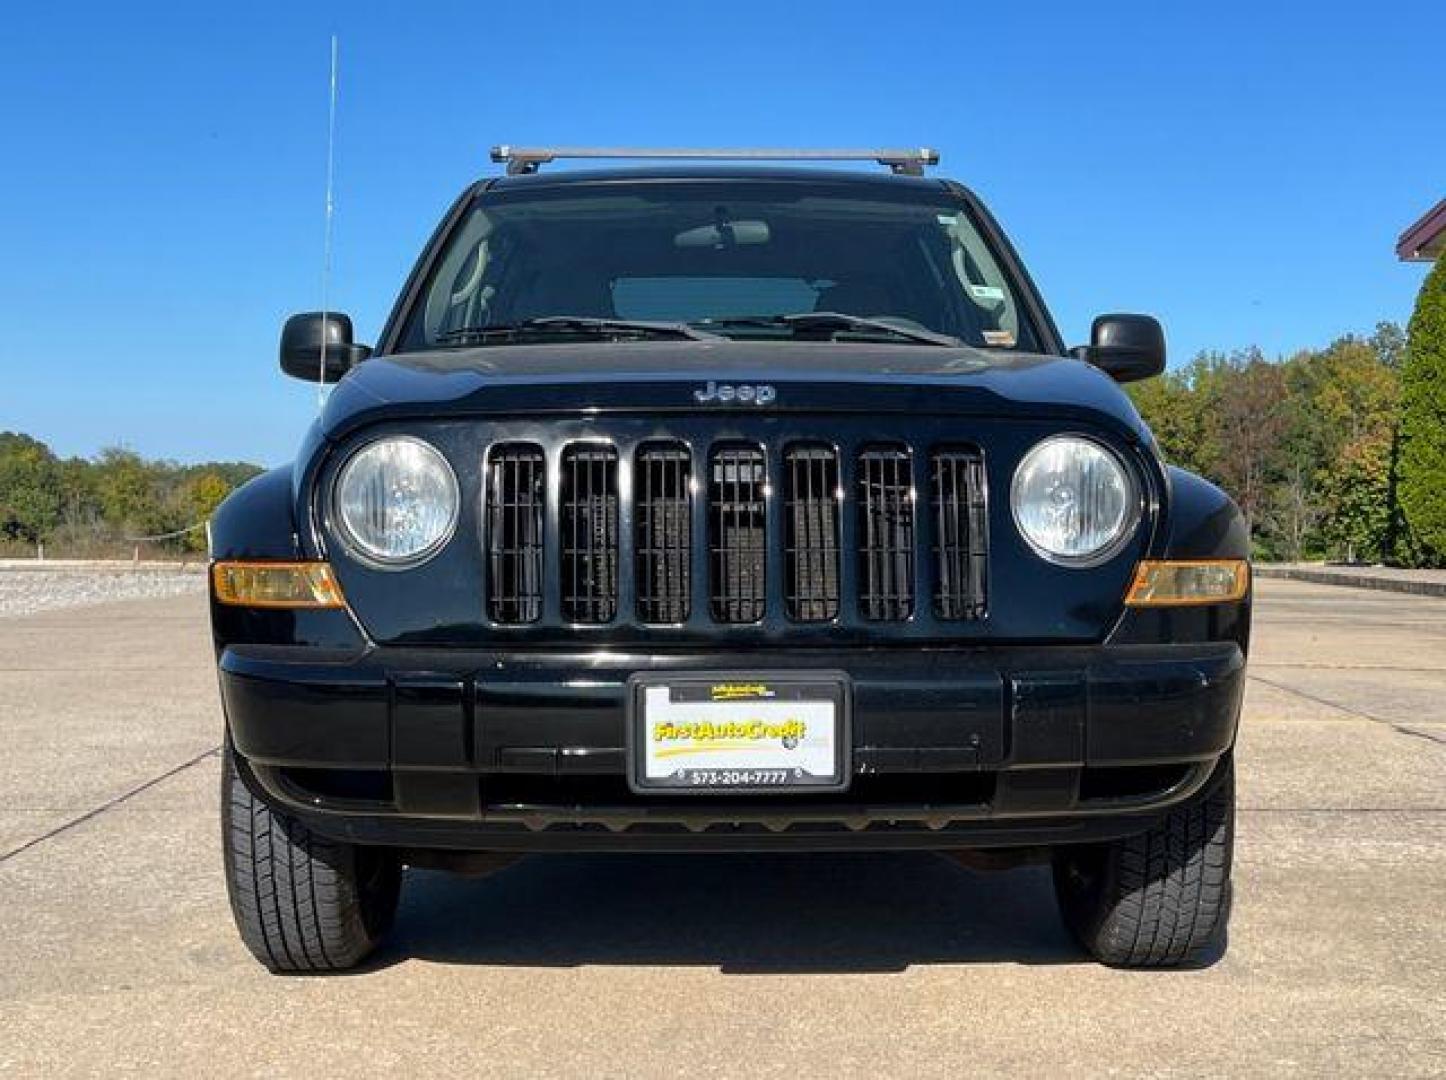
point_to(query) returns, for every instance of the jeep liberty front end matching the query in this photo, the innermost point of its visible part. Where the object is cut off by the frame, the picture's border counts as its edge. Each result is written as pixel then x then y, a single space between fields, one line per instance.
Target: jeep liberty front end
pixel 726 508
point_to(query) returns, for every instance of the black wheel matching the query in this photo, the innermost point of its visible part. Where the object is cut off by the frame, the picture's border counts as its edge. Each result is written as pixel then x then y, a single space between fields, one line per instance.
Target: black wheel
pixel 1158 899
pixel 303 903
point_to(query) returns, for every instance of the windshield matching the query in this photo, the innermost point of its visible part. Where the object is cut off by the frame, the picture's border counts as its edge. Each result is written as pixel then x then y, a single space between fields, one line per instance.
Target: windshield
pixel 725 256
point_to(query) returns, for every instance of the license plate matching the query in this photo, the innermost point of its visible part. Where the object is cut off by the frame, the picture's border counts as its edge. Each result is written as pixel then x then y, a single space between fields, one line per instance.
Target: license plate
pixel 743 733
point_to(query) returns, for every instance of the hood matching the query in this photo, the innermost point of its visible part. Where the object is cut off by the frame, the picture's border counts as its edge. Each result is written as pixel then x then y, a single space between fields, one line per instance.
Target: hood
pixel 665 376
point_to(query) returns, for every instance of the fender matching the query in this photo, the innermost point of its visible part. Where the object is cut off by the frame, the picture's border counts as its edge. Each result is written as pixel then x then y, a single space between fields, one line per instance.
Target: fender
pixel 258 521
pixel 1202 522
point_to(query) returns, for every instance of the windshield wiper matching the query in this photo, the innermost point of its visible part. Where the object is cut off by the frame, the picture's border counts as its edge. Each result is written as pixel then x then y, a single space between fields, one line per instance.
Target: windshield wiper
pixel 573 324
pixel 833 321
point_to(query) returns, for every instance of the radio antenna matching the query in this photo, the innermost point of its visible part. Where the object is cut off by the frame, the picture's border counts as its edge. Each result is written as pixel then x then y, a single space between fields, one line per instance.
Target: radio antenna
pixel 326 232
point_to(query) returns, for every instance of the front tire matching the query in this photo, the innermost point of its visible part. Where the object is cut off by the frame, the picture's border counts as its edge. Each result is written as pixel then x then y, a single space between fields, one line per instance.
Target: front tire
pixel 1158 899
pixel 302 902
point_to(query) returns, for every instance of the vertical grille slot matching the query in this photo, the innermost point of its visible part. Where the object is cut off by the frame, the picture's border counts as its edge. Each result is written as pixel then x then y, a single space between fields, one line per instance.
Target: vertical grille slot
pixel 737 534
pixel 663 507
pixel 886 534
pixel 811 533
pixel 514 533
pixel 961 523
pixel 588 526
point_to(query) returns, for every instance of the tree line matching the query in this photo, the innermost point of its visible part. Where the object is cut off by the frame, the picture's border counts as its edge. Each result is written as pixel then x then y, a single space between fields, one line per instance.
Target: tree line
pixel 1307 446
pixel 99 507
pixel 1334 453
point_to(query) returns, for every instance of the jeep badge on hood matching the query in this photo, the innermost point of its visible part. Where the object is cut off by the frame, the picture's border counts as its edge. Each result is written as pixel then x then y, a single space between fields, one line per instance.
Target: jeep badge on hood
pixel 744 393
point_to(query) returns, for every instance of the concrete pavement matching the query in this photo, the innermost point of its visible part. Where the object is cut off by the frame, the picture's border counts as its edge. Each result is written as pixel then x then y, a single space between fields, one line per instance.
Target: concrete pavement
pixel 118 955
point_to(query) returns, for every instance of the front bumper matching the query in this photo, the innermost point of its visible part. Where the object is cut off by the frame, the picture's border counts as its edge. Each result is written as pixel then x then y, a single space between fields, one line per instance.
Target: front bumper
pixel 524 751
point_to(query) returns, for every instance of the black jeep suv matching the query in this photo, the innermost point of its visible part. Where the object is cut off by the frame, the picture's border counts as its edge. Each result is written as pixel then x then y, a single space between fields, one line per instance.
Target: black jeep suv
pixel 726 508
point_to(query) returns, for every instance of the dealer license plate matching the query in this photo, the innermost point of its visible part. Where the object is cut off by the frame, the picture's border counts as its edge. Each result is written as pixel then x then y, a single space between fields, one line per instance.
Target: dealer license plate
pixel 749 733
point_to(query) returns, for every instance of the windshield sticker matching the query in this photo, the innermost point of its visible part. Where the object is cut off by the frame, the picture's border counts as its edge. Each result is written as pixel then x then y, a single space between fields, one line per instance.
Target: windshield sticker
pixel 986 292
pixel 999 337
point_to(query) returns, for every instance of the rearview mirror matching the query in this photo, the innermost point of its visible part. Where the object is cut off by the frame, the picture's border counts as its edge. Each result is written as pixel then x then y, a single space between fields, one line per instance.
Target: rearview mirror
pixel 724 234
pixel 301 340
pixel 1125 347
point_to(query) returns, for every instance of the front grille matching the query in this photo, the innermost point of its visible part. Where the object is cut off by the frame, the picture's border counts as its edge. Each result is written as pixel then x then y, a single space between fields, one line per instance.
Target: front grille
pixel 886 530
pixel 737 534
pixel 589 530
pixel 811 541
pixel 665 533
pixel 514 533
pixel 662 490
pixel 957 486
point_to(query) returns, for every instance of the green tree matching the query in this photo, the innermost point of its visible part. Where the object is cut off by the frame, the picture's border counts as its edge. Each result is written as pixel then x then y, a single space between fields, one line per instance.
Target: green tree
pixel 30 493
pixel 1298 443
pixel 1356 497
pixel 1422 483
pixel 1344 403
pixel 199 494
pixel 1247 398
pixel 131 493
pixel 1389 341
pixel 90 507
pixel 204 493
pixel 1173 411
pixel 1338 395
pixel 1292 513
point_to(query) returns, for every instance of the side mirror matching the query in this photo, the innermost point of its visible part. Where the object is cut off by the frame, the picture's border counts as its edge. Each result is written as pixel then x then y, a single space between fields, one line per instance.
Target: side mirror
pixel 1125 347
pixel 301 340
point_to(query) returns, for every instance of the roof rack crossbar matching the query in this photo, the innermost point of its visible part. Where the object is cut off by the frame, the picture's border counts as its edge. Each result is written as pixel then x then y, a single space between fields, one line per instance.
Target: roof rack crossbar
pixel 527 159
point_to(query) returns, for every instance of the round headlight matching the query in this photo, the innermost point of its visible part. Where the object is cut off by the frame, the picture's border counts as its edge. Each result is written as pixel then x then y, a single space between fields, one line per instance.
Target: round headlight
pixel 1073 500
pixel 396 500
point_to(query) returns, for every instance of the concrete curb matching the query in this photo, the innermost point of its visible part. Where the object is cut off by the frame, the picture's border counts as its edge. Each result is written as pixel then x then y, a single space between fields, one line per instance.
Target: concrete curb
pixel 1366 578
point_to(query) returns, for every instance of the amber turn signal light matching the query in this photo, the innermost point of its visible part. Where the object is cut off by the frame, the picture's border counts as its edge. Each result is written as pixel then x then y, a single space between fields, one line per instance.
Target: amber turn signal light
pixel 276 585
pixel 1210 581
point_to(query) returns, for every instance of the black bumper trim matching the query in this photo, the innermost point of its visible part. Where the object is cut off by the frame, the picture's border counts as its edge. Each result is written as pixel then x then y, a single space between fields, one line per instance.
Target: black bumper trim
pixel 824 827
pixel 445 726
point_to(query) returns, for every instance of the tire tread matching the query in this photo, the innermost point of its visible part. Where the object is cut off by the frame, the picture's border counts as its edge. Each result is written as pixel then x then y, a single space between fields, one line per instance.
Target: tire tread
pixel 301 902
pixel 1160 898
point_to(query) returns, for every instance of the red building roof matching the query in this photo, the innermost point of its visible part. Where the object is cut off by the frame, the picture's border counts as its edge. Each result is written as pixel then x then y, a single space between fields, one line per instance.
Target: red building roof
pixel 1425 241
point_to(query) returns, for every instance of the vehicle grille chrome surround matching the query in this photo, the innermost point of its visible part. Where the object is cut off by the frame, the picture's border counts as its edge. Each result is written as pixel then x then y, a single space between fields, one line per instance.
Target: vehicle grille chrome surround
pixel 588 527
pixel 663 505
pixel 671 533
pixel 886 534
pixel 737 533
pixel 811 533
pixel 961 550
pixel 515 500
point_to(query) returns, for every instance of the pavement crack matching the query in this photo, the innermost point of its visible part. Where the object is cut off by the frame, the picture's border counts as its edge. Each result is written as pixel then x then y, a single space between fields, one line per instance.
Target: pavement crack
pixel 1332 704
pixel 1399 729
pixel 110 804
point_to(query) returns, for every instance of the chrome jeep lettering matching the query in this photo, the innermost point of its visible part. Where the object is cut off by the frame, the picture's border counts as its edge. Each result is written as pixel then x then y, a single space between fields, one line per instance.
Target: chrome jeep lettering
pixel 749 393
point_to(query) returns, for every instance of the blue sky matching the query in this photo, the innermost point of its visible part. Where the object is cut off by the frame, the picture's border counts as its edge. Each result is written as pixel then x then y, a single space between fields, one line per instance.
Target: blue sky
pixel 1239 170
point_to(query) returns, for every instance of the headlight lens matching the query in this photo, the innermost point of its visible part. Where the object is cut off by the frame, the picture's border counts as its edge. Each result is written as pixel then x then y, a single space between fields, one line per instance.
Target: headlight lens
pixel 396 500
pixel 1073 500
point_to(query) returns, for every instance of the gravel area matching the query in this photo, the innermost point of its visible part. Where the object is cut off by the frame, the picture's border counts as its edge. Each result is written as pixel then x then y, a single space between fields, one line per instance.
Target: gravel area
pixel 24 592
